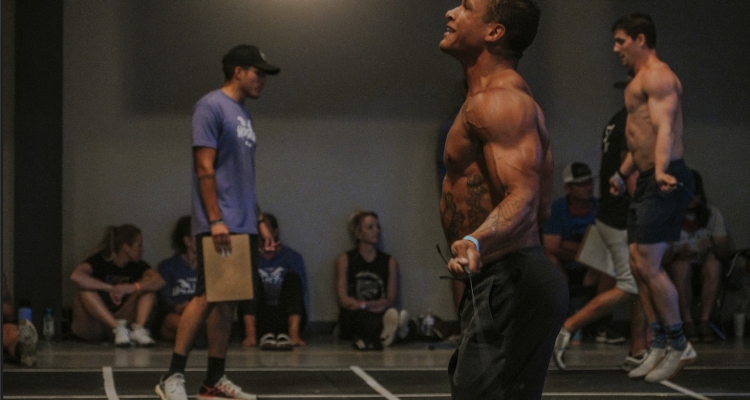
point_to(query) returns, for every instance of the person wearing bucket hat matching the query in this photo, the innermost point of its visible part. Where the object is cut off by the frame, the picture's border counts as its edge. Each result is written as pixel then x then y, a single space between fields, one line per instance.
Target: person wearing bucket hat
pixel 224 202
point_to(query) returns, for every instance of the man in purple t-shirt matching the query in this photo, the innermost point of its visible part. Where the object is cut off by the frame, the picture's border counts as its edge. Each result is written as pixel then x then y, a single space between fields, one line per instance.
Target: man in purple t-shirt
pixel 224 202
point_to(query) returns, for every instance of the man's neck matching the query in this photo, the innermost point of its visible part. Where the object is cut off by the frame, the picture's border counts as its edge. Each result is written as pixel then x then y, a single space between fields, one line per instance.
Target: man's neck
pixel 232 90
pixel 480 70
pixel 645 61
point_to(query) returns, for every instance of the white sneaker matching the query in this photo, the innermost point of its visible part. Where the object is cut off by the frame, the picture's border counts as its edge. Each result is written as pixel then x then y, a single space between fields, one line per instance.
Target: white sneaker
pixel 173 388
pixel 403 324
pixel 652 359
pixel 122 334
pixel 140 336
pixel 390 325
pixel 561 344
pixel 283 342
pixel 27 339
pixel 224 389
pixel 631 362
pixel 672 362
pixel 268 342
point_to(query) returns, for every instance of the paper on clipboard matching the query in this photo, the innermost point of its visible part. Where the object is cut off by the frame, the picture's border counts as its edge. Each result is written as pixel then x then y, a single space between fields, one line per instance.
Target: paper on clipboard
pixel 228 278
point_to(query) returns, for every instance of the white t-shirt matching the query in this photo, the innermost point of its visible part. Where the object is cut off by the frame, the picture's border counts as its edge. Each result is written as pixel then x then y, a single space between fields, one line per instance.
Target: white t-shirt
pixel 714 229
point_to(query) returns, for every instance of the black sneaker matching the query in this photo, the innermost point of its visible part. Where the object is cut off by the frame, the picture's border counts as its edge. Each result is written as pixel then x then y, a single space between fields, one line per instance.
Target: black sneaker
pixel 609 335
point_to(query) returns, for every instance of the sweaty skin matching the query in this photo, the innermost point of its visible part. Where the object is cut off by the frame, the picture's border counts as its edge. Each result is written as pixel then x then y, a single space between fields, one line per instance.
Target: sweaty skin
pixel 654 124
pixel 499 168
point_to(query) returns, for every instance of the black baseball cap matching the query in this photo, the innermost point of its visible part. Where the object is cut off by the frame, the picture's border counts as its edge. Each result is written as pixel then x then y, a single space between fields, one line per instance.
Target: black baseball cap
pixel 249 55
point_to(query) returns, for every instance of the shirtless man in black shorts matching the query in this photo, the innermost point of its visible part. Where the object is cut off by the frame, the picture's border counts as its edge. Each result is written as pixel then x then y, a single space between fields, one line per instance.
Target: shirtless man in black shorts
pixel 664 187
pixel 496 190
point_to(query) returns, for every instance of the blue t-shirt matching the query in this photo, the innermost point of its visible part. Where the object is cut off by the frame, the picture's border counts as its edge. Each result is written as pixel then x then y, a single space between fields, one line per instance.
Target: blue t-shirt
pixel 180 280
pixel 566 225
pixel 272 273
pixel 223 124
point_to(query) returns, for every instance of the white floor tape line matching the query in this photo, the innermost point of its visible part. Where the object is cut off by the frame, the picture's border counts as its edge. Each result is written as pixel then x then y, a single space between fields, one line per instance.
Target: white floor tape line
pixel 109 384
pixel 373 383
pixel 684 390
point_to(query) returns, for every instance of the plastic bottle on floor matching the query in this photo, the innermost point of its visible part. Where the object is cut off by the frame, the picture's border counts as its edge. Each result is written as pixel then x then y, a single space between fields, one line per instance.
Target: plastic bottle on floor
pixel 48 329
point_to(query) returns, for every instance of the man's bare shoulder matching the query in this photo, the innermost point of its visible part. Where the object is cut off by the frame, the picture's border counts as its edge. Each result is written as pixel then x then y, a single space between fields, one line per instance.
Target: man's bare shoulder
pixel 659 78
pixel 503 108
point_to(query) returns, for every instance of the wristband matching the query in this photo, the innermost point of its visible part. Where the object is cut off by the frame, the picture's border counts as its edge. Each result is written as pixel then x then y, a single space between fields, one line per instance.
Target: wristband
pixel 137 286
pixel 473 240
pixel 215 222
pixel 623 176
pixel 363 305
pixel 620 182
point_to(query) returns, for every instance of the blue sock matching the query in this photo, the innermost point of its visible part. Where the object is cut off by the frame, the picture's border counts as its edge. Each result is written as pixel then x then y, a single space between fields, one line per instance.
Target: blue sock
pixel 659 337
pixel 675 336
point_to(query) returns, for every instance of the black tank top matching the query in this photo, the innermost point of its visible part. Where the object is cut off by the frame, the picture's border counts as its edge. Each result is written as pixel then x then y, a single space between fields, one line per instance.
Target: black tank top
pixel 367 281
pixel 613 210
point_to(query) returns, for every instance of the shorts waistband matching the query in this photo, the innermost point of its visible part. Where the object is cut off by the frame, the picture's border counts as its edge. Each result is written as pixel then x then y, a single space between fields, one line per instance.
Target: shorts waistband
pixel 673 163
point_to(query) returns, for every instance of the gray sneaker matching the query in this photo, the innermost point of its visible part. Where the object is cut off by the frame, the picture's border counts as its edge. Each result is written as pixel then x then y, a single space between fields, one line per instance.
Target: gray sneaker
pixel 672 362
pixel 561 344
pixel 172 388
pixel 652 359
pixel 27 339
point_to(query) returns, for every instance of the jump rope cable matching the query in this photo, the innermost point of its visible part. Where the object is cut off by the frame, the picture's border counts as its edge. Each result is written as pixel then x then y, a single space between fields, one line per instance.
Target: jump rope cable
pixel 475 318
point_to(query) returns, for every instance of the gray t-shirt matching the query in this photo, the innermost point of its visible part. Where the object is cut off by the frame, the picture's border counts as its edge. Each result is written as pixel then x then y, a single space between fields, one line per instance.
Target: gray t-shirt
pixel 221 123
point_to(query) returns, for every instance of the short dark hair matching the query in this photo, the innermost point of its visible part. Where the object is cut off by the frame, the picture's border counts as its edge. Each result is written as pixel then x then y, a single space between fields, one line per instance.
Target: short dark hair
pixel 181 229
pixel 521 20
pixel 636 23
pixel 273 223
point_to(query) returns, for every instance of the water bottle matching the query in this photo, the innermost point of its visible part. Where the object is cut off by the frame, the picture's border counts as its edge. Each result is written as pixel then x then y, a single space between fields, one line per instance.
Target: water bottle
pixel 48 329
pixel 427 324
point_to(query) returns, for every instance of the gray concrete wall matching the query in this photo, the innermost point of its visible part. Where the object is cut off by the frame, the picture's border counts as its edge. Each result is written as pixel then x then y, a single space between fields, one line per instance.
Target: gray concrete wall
pixel 352 119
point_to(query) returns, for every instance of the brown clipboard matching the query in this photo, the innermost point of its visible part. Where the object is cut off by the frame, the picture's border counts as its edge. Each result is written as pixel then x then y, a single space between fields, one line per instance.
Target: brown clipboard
pixel 228 278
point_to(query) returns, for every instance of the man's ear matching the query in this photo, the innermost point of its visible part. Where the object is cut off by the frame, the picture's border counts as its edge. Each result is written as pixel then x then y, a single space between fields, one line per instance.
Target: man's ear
pixel 496 33
pixel 641 40
pixel 237 71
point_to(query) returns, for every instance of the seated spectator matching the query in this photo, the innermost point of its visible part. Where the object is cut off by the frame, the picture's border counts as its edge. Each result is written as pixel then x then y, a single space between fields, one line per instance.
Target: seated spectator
pixel 563 232
pixel 180 273
pixel 19 340
pixel 367 286
pixel 114 287
pixel 277 316
pixel 703 243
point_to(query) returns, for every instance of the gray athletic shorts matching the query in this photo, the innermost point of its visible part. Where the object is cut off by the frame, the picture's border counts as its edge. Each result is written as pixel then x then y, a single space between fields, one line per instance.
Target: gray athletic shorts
pixel 605 249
